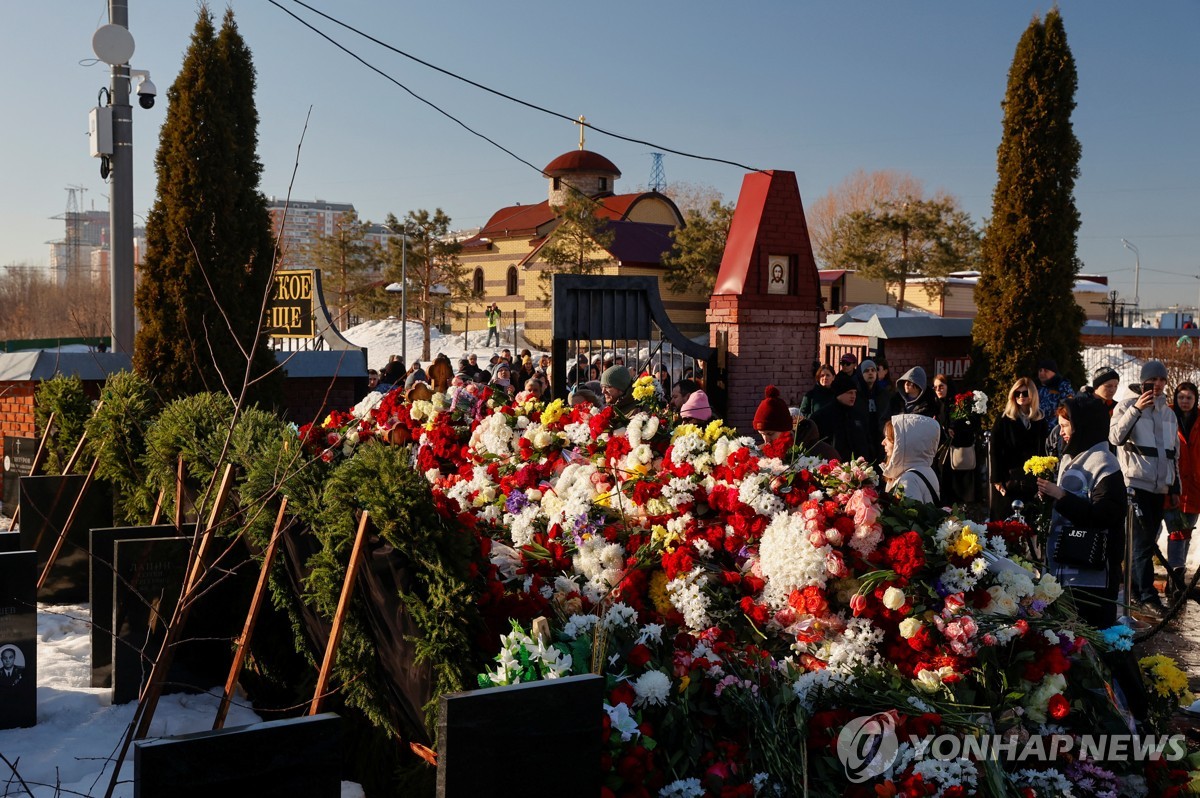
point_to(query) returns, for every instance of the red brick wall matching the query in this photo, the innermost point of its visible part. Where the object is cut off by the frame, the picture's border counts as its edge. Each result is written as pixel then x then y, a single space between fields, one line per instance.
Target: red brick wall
pixel 765 347
pixel 16 410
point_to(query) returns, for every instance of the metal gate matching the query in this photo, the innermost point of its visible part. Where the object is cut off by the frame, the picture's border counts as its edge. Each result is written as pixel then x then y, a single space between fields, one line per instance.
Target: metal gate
pixel 623 318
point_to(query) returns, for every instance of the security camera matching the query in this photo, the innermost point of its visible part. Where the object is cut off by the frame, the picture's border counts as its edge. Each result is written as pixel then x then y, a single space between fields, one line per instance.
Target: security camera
pixel 146 90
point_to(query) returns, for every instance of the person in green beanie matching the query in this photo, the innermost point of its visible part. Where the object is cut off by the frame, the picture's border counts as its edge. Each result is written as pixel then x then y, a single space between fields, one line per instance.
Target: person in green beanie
pixel 615 383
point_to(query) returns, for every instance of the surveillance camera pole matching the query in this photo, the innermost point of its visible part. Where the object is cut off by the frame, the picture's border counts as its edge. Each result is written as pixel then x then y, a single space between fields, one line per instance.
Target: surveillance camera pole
pixel 120 269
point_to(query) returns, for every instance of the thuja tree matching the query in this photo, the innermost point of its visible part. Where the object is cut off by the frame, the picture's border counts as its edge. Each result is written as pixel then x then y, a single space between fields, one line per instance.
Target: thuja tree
pixel 1025 299
pixel 209 246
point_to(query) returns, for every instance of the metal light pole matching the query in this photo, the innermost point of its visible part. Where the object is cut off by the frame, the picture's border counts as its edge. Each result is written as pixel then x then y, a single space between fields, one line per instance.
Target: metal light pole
pixel 402 289
pixel 1137 269
pixel 121 206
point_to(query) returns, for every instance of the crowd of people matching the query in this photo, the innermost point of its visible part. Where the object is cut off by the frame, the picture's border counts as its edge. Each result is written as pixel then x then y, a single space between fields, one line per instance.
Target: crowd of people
pixel 918 434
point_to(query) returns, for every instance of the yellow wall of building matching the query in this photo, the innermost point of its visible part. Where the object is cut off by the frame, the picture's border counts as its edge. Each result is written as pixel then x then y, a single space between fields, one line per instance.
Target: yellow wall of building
pixel 653 211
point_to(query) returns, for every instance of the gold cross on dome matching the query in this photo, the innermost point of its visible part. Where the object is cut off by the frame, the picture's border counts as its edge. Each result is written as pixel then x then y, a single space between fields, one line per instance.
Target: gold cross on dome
pixel 582 127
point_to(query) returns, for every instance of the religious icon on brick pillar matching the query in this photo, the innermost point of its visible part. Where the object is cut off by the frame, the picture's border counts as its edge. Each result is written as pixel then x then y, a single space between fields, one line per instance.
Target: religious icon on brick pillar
pixel 777 274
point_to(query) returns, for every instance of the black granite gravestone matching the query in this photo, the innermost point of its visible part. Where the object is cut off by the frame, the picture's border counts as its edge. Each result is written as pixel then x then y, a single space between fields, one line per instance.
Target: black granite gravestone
pixel 45 505
pixel 18 639
pixel 11 541
pixel 556 714
pixel 103 548
pixel 18 462
pixel 277 759
pixel 147 578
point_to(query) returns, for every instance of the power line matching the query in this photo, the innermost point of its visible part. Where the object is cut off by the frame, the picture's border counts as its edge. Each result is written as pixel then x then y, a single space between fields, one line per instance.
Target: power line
pixel 498 93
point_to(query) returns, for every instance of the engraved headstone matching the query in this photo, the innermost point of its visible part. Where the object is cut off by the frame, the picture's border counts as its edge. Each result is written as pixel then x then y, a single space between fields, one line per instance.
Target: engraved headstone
pixel 45 506
pixel 147 579
pixel 18 462
pixel 556 714
pixel 18 639
pixel 103 549
pixel 277 759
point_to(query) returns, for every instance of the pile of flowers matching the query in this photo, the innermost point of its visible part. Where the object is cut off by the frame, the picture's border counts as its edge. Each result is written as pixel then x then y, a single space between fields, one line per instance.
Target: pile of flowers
pixel 745 602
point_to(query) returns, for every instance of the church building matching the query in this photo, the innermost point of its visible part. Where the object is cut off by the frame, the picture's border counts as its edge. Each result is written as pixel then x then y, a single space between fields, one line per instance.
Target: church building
pixel 502 259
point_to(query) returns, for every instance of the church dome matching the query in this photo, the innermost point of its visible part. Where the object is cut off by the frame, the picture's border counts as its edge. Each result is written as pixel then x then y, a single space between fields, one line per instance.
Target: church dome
pixel 580 161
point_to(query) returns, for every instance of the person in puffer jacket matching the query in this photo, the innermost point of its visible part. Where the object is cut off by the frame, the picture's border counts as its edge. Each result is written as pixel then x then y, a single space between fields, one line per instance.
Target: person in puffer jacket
pixel 1146 436
pixel 910 443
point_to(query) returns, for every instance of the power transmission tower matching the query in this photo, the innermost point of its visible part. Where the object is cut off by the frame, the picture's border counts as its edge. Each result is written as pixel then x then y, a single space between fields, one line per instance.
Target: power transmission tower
pixel 658 177
pixel 69 255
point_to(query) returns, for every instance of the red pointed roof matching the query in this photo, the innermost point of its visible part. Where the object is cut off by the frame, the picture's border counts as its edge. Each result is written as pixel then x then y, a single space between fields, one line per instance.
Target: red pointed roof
pixel 580 161
pixel 516 221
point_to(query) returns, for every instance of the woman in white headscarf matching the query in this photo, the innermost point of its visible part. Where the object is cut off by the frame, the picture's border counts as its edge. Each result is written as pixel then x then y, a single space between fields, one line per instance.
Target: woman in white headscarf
pixel 910 443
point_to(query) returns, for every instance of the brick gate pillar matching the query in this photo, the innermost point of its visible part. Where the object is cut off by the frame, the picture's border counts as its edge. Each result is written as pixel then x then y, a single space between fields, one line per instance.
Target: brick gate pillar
pixel 766 309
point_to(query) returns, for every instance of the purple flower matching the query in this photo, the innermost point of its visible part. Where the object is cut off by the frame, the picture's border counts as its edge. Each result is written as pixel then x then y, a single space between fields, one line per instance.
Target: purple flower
pixel 517 501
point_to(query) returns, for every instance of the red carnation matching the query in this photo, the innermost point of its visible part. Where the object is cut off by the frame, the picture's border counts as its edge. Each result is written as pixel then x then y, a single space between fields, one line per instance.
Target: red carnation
pixel 1059 707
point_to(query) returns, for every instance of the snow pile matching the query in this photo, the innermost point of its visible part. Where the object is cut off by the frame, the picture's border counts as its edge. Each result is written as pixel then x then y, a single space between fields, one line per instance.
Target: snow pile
pixel 383 338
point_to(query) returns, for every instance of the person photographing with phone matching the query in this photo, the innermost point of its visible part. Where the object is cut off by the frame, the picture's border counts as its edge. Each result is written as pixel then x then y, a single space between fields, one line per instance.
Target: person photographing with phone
pixel 1146 436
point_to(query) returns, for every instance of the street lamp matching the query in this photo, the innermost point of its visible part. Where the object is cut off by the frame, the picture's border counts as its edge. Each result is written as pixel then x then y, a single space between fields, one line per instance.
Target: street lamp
pixel 401 288
pixel 1137 269
pixel 443 295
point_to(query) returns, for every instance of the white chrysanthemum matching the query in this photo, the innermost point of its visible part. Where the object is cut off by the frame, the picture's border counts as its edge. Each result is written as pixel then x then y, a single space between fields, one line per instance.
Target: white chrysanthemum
pixel 755 492
pixel 578 625
pixel 811 685
pixel 702 547
pixel 524 524
pixel 653 688
pixel 789 561
pixel 602 565
pixel 856 646
pixel 367 404
pixel 493 436
pixel 678 491
pixel 947 773
pixel 687 596
pixel 682 788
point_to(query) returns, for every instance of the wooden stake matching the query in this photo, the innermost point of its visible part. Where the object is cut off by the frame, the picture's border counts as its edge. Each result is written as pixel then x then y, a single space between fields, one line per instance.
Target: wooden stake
pixel 339 617
pixel 179 472
pixel 148 702
pixel 62 533
pixel 37 463
pixel 202 548
pixel 158 505
pixel 243 643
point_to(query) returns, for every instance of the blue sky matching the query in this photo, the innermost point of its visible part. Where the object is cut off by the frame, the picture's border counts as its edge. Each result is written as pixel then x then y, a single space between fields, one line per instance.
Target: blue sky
pixel 821 89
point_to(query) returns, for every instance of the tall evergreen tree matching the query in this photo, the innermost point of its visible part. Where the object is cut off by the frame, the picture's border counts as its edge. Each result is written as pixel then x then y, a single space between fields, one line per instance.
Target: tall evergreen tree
pixel 1025 297
pixel 209 246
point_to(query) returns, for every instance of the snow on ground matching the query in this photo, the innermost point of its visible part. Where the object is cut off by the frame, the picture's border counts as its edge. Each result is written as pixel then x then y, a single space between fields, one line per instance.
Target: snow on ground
pixel 79 730
pixel 385 337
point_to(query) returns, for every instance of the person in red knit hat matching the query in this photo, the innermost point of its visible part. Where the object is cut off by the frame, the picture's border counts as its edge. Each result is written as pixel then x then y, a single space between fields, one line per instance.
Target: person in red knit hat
pixel 772 420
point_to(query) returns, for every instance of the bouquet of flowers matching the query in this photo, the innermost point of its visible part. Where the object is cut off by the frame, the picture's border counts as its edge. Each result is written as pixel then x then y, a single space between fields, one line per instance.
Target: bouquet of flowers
pixel 1041 467
pixel 971 403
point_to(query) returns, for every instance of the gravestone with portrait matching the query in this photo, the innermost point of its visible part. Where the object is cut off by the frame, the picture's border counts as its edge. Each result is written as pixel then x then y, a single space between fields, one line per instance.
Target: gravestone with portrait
pixel 100 597
pixel 18 639
pixel 300 756
pixel 557 713
pixel 147 579
pixel 18 462
pixel 46 504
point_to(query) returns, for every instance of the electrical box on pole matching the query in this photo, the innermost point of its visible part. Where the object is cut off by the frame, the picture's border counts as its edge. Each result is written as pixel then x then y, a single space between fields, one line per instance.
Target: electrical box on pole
pixel 100 131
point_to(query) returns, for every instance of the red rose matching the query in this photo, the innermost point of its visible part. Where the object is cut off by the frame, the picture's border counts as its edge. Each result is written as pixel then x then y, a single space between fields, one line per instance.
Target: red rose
pixel 622 694
pixel 1059 707
pixel 638 656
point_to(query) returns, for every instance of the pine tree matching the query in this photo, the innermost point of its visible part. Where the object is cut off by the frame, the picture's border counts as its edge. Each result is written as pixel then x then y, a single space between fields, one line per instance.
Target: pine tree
pixel 579 245
pixel 436 277
pixel 209 246
pixel 1025 297
pixel 343 256
pixel 896 241
pixel 694 260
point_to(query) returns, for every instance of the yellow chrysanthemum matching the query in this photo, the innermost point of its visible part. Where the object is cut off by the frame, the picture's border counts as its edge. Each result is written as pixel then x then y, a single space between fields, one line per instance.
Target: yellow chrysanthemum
pixel 553 412
pixel 1166 677
pixel 966 544
pixel 661 536
pixel 658 592
pixel 715 430
pixel 1042 467
pixel 685 429
pixel 643 388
